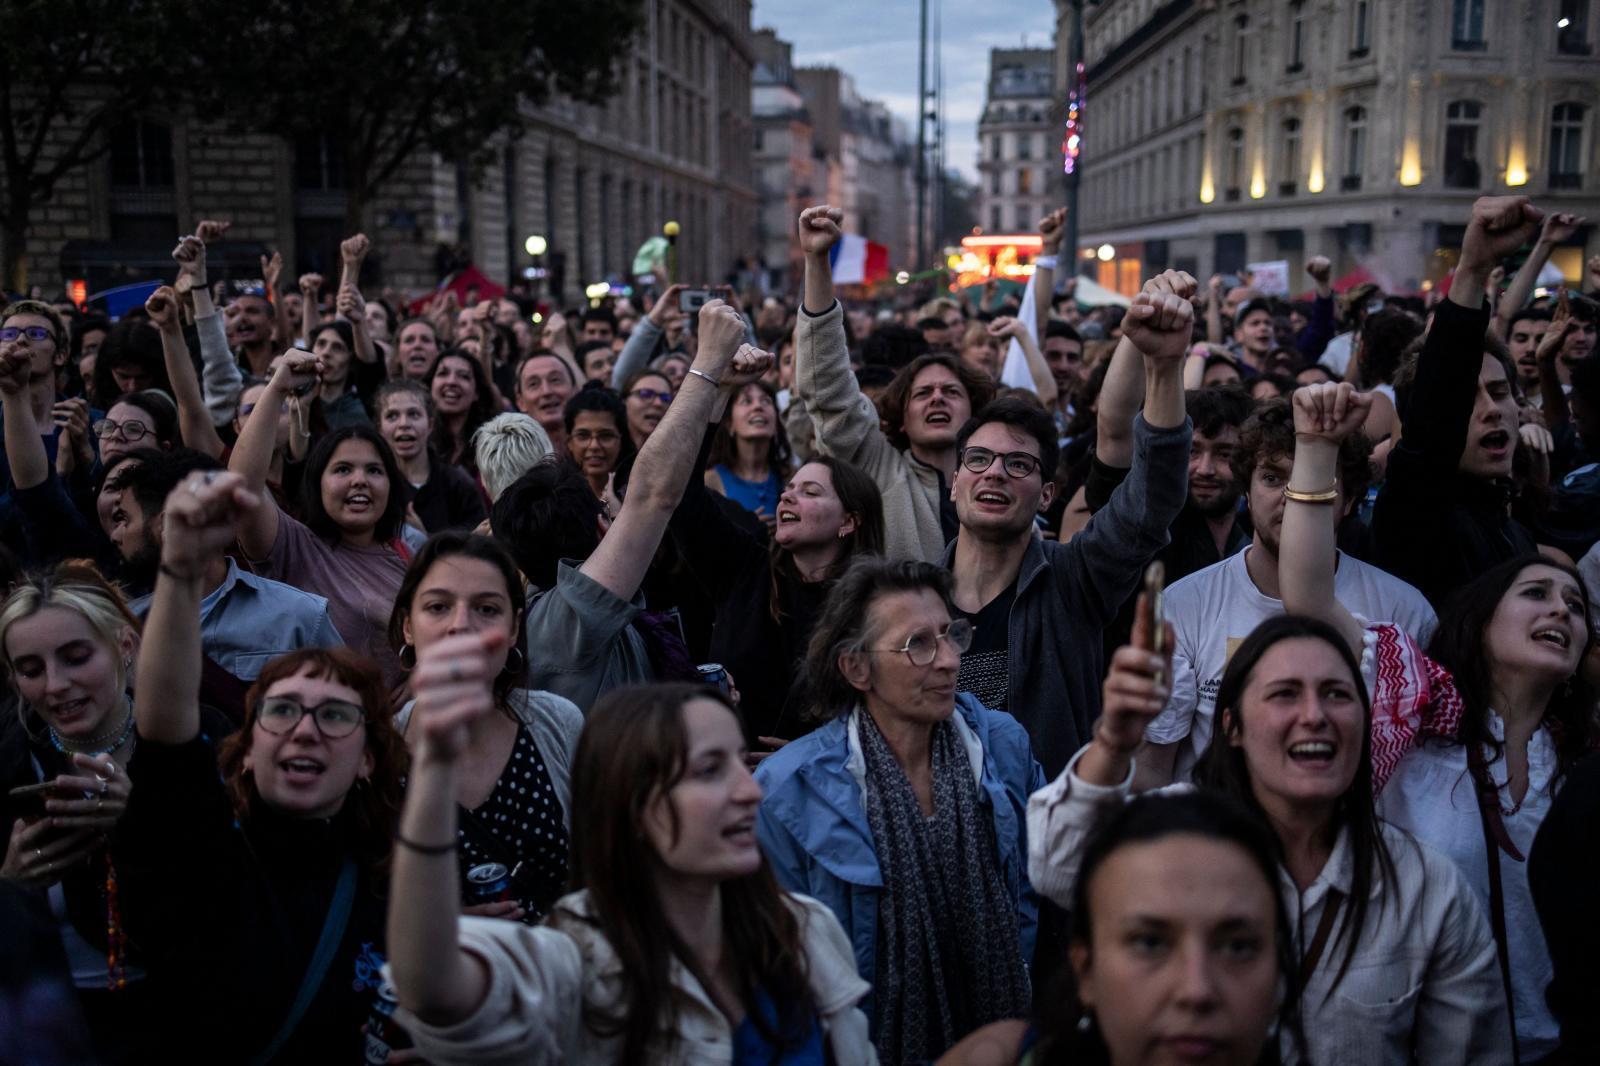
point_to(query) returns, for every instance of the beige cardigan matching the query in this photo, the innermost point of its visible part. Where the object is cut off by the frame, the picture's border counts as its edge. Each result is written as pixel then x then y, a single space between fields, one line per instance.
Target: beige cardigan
pixel 541 978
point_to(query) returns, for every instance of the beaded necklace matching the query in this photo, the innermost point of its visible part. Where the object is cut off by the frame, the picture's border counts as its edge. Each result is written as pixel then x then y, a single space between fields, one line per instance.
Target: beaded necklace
pixel 117 736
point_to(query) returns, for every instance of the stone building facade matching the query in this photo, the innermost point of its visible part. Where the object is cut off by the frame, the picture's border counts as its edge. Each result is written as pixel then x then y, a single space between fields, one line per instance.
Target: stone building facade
pixel 674 141
pixel 1223 132
pixel 1019 143
pixel 869 161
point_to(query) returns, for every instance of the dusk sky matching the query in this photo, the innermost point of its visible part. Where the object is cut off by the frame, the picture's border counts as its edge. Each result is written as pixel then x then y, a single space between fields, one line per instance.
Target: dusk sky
pixel 875 41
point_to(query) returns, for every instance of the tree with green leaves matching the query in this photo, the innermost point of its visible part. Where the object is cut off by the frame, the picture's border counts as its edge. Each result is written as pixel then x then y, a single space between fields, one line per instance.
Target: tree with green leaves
pixel 382 80
pixel 71 71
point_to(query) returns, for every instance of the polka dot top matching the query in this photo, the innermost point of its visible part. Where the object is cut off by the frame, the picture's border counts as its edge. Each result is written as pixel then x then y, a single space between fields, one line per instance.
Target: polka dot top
pixel 522 827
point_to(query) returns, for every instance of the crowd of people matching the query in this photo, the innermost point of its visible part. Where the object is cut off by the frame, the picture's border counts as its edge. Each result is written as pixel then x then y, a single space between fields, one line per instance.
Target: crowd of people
pixel 773 684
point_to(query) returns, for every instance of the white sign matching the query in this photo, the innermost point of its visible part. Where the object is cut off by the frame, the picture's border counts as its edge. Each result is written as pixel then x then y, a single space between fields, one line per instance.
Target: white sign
pixel 1270 278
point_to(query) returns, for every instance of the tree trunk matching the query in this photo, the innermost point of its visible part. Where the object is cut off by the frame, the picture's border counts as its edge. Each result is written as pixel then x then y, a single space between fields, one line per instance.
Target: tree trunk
pixel 13 230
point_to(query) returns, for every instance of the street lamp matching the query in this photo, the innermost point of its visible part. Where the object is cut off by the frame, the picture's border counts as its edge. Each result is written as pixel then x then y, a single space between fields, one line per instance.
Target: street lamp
pixel 536 245
pixel 1106 253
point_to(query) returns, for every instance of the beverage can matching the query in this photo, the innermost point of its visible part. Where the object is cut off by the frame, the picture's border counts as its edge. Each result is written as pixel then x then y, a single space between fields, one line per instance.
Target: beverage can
pixel 489 883
pixel 715 675
pixel 383 1032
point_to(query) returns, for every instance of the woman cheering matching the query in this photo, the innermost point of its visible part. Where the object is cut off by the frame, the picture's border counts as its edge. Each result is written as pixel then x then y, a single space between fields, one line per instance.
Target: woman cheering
pixel 677 948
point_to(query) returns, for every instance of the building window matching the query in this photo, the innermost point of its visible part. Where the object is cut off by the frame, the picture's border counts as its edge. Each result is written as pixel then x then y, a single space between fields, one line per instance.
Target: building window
pixel 1024 146
pixel 1466 26
pixel 1355 148
pixel 1297 37
pixel 1234 171
pixel 141 155
pixel 1572 28
pixel 318 164
pixel 1566 146
pixel 1289 174
pixel 1461 144
pixel 994 184
pixel 1361 28
pixel 1024 181
pixel 143 208
pixel 1241 48
pixel 994 220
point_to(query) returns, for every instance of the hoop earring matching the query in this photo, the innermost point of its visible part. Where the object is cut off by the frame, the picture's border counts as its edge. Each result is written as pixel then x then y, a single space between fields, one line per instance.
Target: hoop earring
pixel 401 655
pixel 521 663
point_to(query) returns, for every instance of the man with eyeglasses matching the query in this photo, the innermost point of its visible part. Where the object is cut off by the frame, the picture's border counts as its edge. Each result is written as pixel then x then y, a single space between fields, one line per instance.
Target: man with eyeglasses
pixel 1037 607
pixel 31 329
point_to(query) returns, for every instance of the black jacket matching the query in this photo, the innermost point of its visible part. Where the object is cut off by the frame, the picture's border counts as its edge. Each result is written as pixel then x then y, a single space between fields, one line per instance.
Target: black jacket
pixel 728 554
pixel 1563 870
pixel 229 913
pixel 1434 526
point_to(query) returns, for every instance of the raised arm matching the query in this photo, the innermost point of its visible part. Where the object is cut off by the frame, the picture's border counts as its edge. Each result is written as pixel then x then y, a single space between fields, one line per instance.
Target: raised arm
pixel 252 453
pixel 1063 813
pixel 1324 415
pixel 1044 382
pixel 310 309
pixel 434 976
pixel 1214 310
pixel 1159 323
pixel 200 520
pixel 819 232
pixel 664 464
pixel 25 450
pixel 645 338
pixel 220 378
pixel 1051 228
pixel 348 303
pixel 194 420
pixel 1313 340
pixel 1554 407
pixel 272 277
pixel 1555 229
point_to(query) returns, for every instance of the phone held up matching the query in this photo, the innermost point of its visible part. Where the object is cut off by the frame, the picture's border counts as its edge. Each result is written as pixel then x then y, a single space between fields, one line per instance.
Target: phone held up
pixel 1155 581
pixel 29 799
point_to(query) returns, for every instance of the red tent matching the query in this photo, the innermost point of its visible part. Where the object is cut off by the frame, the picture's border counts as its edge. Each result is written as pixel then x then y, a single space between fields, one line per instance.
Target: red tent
pixel 1358 276
pixel 459 283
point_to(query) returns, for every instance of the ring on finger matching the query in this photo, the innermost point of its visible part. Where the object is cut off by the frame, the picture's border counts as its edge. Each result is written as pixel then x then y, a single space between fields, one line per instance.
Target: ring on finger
pixel 105 783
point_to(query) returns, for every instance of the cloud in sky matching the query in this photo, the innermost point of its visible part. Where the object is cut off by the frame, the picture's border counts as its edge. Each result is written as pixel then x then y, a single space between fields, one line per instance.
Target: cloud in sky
pixel 875 42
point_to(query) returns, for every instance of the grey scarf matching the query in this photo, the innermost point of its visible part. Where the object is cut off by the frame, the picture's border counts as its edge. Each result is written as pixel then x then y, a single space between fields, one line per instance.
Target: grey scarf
pixel 949 948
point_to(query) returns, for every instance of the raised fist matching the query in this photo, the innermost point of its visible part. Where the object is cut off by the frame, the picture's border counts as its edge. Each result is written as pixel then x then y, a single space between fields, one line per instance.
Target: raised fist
pixel 819 228
pixel 210 230
pixel 1160 325
pixel 1051 228
pixel 162 306
pixel 1330 410
pixel 1319 268
pixel 1179 283
pixel 310 285
pixel 1499 226
pixel 354 249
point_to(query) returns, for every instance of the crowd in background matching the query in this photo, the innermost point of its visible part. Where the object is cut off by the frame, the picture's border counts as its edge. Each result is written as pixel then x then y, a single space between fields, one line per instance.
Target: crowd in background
pixel 1209 679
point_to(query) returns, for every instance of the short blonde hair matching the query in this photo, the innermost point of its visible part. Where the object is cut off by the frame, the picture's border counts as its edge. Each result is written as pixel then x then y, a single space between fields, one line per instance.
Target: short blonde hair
pixel 77 586
pixel 506 447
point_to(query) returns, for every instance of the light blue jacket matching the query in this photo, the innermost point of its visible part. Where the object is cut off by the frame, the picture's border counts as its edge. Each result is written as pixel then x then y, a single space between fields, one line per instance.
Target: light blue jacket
pixel 813 820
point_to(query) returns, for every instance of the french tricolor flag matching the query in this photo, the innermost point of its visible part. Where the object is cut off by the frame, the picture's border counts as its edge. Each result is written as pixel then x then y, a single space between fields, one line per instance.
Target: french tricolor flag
pixel 858 261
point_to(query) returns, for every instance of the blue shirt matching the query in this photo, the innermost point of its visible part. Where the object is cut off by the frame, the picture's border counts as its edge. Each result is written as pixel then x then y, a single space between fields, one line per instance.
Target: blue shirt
pixel 249 620
pixel 753 496
pixel 750 1048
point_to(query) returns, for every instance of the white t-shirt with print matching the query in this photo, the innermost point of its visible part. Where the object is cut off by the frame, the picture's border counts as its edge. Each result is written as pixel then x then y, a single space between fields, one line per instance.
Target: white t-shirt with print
pixel 1214 609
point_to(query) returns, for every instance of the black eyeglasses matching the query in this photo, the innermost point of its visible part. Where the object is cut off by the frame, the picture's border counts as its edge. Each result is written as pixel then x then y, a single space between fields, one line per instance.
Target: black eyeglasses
pixel 922 648
pixel 130 431
pixel 333 718
pixel 33 333
pixel 652 396
pixel 1015 464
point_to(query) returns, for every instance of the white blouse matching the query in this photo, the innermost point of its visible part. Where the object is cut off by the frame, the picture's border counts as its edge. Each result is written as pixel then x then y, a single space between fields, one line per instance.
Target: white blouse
pixel 1424 983
pixel 1432 796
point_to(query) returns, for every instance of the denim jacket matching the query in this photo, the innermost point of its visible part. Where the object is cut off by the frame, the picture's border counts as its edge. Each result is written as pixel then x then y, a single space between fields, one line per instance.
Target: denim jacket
pixel 813 819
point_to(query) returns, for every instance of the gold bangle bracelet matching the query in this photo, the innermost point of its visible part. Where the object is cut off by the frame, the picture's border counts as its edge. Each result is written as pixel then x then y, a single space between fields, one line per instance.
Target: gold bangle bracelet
pixel 1327 496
